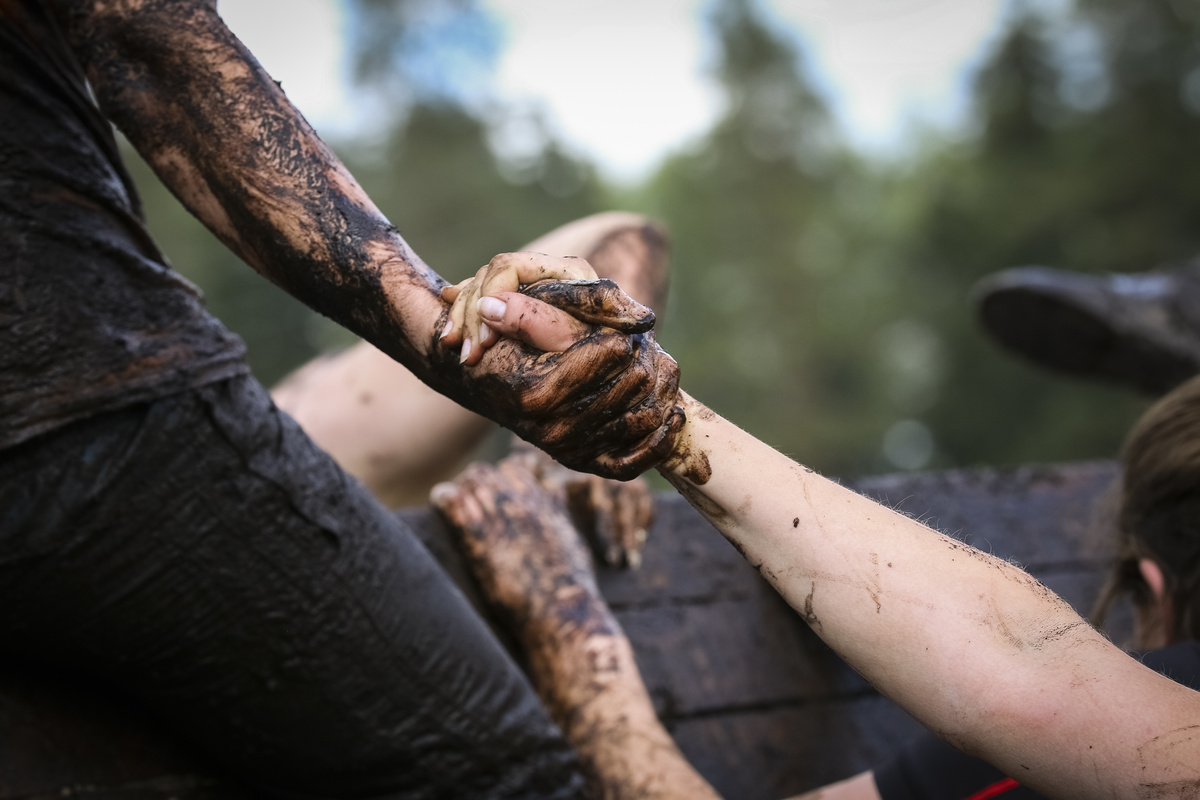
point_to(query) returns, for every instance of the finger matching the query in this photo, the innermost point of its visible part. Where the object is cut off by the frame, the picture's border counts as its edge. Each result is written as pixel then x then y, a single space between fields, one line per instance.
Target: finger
pixel 470 323
pixel 460 509
pixel 599 302
pixel 659 416
pixel 444 496
pixel 535 323
pixel 527 267
pixel 452 334
pixel 572 377
pixel 506 273
pixel 601 502
pixel 651 450
pixel 450 293
pixel 634 510
pixel 465 320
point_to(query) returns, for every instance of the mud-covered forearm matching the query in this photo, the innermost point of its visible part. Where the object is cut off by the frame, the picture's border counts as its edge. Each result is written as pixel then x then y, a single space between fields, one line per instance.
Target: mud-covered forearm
pixel 584 668
pixel 222 135
pixel 224 138
pixel 535 572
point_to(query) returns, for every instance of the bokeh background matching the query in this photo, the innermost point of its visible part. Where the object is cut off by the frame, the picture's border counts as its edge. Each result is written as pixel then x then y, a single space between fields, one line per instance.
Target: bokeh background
pixel 821 296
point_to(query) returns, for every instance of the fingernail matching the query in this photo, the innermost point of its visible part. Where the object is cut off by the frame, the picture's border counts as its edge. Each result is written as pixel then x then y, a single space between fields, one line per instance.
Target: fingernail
pixel 446 330
pixel 492 308
pixel 485 334
pixel 442 493
pixel 466 351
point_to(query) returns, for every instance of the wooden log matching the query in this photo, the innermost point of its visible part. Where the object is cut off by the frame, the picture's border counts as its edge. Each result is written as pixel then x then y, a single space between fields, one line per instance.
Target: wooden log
pixel 755 700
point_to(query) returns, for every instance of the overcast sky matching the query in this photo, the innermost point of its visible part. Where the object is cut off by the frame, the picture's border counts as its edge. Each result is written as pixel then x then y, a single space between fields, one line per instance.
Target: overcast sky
pixel 592 65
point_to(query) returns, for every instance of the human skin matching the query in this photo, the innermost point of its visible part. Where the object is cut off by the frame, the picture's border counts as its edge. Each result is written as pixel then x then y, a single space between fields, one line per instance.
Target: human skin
pixel 224 138
pixel 399 437
pixel 974 647
pixel 534 570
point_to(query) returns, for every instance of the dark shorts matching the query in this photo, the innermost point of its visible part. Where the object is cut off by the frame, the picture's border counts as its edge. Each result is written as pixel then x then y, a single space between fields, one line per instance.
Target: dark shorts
pixel 201 554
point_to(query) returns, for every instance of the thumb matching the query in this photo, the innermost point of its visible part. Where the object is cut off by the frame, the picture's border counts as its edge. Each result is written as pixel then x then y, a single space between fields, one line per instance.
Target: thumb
pixel 539 325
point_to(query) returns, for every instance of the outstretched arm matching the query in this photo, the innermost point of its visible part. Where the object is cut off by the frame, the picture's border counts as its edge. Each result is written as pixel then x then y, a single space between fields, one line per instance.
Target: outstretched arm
pixel 974 647
pixel 399 437
pixel 224 138
pixel 977 649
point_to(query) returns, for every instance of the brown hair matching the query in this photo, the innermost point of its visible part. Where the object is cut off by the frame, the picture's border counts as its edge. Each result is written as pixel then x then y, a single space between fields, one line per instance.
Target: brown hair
pixel 1159 513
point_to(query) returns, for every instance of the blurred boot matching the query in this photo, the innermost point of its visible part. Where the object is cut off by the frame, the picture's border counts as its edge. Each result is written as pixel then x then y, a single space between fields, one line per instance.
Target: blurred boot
pixel 1141 330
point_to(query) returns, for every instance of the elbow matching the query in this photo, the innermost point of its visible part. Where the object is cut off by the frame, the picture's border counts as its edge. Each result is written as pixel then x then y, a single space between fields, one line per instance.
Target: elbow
pixel 127 48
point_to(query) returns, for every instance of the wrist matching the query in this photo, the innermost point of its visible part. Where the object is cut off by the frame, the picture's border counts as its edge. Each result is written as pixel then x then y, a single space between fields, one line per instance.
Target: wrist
pixel 689 455
pixel 413 292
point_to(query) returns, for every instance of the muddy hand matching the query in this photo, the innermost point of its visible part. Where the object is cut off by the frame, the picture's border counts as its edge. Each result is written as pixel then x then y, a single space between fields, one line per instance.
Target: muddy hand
pixel 600 398
pixel 478 311
pixel 613 516
pixel 608 404
pixel 504 274
pixel 520 545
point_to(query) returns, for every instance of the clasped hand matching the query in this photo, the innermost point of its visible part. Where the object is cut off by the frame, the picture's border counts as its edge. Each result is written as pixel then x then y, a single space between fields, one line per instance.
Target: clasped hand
pixel 567 361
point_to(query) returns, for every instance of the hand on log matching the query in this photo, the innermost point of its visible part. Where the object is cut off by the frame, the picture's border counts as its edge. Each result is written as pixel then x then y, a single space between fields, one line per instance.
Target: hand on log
pixel 535 570
pixel 613 516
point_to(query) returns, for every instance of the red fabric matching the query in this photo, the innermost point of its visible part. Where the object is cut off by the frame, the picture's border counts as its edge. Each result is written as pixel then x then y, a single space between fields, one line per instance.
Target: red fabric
pixel 995 790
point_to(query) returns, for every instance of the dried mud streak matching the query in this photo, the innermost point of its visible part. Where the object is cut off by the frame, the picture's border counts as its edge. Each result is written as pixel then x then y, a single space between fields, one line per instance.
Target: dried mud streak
pixel 810 615
pixel 690 461
pixel 597 302
pixel 710 508
pixel 221 134
pixel 1152 753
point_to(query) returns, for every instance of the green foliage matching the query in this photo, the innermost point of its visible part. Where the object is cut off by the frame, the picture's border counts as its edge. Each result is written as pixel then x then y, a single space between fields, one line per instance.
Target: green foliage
pixel 819 299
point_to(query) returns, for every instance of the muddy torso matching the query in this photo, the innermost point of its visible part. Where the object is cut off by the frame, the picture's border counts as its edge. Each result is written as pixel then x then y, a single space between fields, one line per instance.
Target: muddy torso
pixel 91 317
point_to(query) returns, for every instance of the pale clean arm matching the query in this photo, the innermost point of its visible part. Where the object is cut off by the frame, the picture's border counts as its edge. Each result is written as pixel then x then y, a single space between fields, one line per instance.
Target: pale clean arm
pixel 974 647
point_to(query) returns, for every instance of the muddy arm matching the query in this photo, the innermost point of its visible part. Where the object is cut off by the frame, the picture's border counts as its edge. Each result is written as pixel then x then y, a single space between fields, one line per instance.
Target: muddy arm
pixel 536 573
pixel 224 138
pixel 222 135
pixel 974 647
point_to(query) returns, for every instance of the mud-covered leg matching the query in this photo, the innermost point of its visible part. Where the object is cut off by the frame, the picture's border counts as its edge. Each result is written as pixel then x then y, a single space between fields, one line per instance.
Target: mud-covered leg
pixel 534 568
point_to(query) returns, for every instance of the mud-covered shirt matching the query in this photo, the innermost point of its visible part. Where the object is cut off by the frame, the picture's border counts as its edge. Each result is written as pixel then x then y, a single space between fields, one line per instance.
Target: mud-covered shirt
pixel 91 317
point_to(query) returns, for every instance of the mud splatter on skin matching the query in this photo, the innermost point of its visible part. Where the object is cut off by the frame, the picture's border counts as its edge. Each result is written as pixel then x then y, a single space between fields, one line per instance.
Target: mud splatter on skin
pixel 222 136
pixel 689 460
pixel 810 616
pixel 607 405
pixel 534 568
pixel 710 508
pixel 1158 753
pixel 875 588
pixel 597 302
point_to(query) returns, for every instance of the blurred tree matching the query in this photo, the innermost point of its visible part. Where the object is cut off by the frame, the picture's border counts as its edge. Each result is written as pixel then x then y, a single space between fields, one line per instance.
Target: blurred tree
pixel 1082 160
pixel 821 300
pixel 778 302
